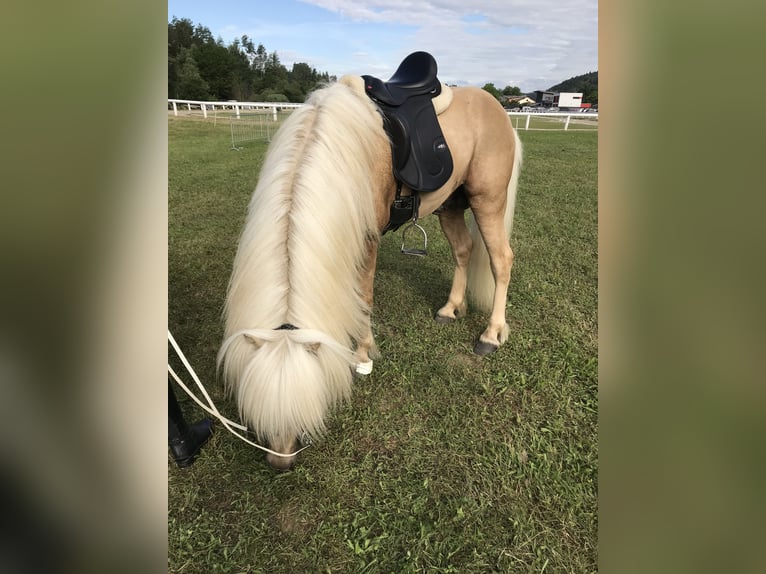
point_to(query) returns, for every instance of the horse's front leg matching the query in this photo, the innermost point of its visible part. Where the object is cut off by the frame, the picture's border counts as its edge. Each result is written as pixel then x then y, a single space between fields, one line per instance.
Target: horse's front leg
pixel 366 350
pixel 453 225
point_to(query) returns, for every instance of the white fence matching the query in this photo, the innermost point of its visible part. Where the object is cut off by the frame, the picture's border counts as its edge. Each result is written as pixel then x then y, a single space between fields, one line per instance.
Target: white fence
pixel 248 121
pixel 255 125
pixel 567 121
pixel 553 121
pixel 237 107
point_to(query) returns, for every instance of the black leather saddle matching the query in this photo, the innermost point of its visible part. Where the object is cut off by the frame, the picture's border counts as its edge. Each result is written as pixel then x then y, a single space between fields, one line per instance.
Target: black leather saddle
pixel 421 158
pixel 415 76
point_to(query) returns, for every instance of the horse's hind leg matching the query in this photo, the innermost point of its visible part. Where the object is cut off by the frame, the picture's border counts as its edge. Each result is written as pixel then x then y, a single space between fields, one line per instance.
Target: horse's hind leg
pixel 489 219
pixel 453 225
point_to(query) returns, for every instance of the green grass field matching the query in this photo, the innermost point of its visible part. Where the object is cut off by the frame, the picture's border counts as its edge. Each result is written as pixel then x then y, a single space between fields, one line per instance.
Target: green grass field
pixel 442 461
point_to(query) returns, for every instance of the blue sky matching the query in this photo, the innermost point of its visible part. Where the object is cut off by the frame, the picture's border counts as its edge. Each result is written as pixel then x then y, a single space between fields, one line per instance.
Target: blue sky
pixel 532 44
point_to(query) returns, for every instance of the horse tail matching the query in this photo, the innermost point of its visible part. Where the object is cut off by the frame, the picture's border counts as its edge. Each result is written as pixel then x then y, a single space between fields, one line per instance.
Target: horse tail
pixel 285 381
pixel 481 282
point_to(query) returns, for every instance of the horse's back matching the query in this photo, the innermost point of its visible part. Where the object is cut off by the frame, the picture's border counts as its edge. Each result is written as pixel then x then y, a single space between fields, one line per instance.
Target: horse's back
pixel 479 132
pixel 478 109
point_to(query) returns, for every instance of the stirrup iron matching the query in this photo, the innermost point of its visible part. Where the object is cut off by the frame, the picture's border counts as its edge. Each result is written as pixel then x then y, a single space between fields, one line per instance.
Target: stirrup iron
pixel 412 251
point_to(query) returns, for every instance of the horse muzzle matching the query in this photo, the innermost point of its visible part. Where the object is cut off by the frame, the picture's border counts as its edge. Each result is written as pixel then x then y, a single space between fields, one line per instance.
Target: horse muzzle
pixel 283 463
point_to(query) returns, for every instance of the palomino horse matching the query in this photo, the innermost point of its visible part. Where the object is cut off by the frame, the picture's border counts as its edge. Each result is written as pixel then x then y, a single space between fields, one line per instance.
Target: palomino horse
pixel 297 316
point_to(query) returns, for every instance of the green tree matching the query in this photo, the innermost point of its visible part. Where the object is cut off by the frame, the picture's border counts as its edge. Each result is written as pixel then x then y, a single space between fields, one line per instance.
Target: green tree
pixel 217 68
pixel 203 35
pixel 200 67
pixel 492 90
pixel 190 85
pixel 511 91
pixel 584 83
pixel 242 75
pixel 180 36
pixel 304 76
pixel 260 58
pixel 294 92
pixel 274 73
pixel 274 97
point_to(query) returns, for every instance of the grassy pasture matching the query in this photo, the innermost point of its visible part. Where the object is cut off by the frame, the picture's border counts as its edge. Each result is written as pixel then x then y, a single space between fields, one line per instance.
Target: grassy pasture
pixel 442 461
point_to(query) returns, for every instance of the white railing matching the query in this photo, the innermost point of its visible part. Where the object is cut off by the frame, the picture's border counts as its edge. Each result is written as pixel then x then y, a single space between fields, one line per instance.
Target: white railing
pixel 588 120
pixel 232 105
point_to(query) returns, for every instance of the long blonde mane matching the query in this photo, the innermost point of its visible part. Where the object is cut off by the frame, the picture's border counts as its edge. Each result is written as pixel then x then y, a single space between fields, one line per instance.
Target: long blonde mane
pixel 298 263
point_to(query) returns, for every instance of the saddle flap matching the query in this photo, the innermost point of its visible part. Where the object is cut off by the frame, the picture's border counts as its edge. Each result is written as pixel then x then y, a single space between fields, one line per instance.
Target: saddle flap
pixel 400 140
pixel 421 158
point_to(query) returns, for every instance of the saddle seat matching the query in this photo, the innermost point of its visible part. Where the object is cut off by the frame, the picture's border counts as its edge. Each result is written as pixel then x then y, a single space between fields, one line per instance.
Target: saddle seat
pixel 415 76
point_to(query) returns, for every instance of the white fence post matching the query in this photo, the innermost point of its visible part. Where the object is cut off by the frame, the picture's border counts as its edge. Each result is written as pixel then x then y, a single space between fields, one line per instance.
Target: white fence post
pixel 236 107
pixel 274 111
pixel 175 109
pixel 526 127
pixel 566 125
pixel 204 111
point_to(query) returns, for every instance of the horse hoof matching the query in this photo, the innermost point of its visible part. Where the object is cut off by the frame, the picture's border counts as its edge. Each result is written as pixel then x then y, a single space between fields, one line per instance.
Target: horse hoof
pixel 483 348
pixel 364 368
pixel 441 319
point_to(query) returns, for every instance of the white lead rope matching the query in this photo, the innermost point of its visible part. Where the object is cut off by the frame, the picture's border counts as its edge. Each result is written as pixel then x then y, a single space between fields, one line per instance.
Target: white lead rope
pixel 212 408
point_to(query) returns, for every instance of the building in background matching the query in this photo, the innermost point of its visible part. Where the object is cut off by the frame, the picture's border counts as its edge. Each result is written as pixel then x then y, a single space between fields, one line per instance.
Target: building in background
pixel 563 101
pixel 516 101
pixel 568 101
pixel 544 99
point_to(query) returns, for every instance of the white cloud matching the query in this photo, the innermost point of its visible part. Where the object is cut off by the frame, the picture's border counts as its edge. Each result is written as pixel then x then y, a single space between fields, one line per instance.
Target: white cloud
pixel 528 43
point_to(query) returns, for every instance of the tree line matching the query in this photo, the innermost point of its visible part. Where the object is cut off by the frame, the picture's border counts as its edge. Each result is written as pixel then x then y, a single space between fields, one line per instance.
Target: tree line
pixel 203 68
pixel 502 95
